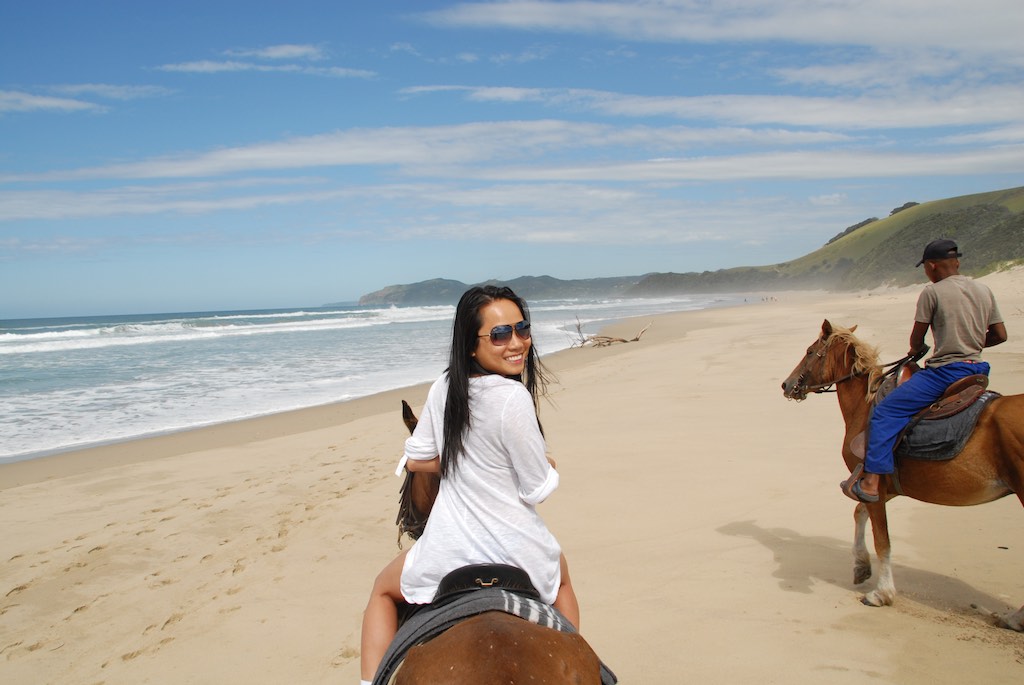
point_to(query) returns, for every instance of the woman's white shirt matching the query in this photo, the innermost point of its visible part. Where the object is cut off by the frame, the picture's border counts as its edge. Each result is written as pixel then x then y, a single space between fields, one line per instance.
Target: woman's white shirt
pixel 485 511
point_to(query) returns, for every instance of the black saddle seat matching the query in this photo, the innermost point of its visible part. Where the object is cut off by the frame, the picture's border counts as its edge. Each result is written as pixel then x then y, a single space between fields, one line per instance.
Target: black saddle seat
pixel 483 576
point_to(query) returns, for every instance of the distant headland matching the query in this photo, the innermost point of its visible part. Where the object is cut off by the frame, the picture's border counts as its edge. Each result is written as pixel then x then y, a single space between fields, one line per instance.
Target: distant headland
pixel 875 252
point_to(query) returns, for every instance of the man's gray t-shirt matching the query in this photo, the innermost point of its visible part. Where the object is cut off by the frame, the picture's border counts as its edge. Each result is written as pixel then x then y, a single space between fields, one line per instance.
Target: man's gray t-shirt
pixel 960 310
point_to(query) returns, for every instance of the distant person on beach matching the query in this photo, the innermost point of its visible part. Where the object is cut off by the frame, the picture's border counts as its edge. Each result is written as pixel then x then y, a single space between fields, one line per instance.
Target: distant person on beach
pixel 479 429
pixel 964 319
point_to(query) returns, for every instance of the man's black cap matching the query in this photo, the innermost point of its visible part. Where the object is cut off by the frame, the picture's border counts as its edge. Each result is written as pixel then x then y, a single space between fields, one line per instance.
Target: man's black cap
pixel 940 249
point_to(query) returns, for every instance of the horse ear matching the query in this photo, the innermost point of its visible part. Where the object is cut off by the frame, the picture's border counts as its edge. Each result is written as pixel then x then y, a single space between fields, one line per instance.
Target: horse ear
pixel 853 328
pixel 826 330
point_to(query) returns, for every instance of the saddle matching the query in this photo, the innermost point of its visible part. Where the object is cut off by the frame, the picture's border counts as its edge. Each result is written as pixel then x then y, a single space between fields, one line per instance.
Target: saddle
pixel 469 591
pixel 935 439
pixel 958 396
pixel 472 578
pixel 482 577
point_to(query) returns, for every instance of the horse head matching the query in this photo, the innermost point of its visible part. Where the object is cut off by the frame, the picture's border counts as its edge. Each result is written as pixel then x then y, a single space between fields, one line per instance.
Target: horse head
pixel 418 492
pixel 823 365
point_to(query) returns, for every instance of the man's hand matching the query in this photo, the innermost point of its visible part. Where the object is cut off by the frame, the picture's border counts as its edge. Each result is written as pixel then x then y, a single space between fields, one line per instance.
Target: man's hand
pixel 918 348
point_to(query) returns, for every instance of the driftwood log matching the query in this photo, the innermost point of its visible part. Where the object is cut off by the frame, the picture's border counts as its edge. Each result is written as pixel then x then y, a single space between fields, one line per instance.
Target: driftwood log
pixel 583 340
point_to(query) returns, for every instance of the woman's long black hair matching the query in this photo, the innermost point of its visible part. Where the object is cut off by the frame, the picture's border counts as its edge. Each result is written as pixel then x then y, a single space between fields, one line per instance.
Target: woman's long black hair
pixel 465 337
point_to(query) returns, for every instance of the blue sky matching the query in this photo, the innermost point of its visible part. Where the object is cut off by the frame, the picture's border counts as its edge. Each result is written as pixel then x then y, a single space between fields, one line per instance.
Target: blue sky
pixel 209 155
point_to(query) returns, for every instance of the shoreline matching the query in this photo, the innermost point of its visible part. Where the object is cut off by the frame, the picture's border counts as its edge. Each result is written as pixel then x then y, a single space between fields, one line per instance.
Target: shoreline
pixel 79 460
pixel 76 460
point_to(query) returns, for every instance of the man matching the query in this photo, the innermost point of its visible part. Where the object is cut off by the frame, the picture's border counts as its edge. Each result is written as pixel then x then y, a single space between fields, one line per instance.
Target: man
pixel 964 318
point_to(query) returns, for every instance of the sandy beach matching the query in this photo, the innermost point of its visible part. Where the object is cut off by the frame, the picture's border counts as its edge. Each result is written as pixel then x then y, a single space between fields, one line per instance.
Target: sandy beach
pixel 699 510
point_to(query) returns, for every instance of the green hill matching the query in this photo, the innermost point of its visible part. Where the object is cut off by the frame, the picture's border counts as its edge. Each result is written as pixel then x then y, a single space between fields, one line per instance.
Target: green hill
pixel 989 227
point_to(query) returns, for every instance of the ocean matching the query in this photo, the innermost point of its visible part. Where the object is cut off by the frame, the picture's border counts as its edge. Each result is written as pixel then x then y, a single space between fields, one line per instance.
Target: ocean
pixel 69 383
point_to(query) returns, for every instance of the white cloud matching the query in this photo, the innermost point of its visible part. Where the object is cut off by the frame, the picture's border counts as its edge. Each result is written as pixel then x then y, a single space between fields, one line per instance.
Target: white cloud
pixel 803 165
pixel 506 94
pixel 995 136
pixel 16 101
pixel 932 107
pixel 196 198
pixel 208 66
pixel 533 54
pixel 112 92
pixel 496 150
pixel 308 52
pixel 444 151
pixel 217 67
pixel 887 70
pixel 976 29
pixel 407 48
pixel 829 200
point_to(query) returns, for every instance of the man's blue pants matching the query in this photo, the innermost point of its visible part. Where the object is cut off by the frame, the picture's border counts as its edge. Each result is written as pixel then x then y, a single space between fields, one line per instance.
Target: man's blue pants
pixel 893 413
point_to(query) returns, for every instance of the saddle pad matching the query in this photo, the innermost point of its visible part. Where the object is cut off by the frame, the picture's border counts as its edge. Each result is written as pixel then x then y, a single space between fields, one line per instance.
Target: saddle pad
pixel 431 622
pixel 942 439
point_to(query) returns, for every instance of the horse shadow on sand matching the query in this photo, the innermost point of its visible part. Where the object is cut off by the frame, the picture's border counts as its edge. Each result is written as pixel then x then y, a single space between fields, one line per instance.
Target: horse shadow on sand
pixel 802 560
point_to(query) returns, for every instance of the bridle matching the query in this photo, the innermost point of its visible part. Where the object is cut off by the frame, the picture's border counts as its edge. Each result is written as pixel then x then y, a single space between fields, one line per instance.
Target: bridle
pixel 829 386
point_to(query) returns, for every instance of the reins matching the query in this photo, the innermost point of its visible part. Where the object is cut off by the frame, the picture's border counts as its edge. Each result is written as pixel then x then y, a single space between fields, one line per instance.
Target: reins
pixel 821 388
pixel 828 387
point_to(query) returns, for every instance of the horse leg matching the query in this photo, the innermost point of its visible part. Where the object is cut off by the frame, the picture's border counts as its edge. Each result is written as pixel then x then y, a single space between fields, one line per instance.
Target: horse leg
pixel 861 556
pixel 885 590
pixel 1015 621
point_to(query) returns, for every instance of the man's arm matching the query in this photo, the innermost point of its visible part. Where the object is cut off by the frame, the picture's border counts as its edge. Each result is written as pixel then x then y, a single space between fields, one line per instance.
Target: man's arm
pixel 917 337
pixel 996 335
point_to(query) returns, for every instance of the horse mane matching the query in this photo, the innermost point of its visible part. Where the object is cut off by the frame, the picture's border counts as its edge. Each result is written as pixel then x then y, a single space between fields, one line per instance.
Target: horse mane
pixel 865 357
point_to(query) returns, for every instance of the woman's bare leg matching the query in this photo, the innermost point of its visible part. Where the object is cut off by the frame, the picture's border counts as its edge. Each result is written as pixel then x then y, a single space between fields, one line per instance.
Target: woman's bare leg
pixel 565 600
pixel 380 618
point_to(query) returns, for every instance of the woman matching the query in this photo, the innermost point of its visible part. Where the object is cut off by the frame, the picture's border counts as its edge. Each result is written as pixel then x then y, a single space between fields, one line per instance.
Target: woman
pixel 479 429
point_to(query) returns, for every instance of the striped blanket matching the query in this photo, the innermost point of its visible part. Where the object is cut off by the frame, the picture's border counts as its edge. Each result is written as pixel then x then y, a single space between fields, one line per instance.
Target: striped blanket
pixel 429 623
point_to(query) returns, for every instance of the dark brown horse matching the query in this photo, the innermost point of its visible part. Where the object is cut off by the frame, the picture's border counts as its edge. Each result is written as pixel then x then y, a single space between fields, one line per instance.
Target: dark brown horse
pixel 492 647
pixel 990 466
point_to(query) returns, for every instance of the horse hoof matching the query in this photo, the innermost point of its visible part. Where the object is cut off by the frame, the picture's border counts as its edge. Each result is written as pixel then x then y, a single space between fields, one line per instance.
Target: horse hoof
pixel 875 599
pixel 1014 621
pixel 861 574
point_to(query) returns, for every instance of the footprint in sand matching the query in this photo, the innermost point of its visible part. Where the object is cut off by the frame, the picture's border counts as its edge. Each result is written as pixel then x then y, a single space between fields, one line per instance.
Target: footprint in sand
pixel 139 652
pixel 345 656
pixel 172 620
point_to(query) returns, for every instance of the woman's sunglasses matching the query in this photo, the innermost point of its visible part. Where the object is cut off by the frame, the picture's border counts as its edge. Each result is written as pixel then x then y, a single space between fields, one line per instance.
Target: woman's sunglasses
pixel 501 335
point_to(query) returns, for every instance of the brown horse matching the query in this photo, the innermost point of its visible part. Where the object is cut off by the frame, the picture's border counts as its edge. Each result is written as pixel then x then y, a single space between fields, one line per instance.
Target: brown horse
pixel 990 466
pixel 492 647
